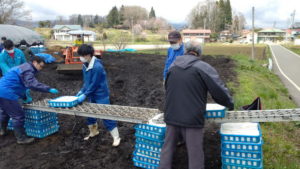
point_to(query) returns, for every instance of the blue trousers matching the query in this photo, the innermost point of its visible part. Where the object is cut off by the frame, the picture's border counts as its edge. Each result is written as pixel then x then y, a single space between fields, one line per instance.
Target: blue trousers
pixel 12 109
pixel 108 124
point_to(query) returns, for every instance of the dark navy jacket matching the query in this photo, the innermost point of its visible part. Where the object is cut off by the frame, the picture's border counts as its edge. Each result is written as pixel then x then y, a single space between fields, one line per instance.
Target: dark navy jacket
pixel 15 82
pixel 188 82
pixel 171 56
pixel 95 85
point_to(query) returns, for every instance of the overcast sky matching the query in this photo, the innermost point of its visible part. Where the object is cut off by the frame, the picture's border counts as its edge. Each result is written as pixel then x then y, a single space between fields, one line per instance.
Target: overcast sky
pixel 267 11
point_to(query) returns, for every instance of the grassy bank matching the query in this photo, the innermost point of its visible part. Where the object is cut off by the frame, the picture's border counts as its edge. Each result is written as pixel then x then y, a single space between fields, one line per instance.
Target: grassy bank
pixel 294 48
pixel 281 140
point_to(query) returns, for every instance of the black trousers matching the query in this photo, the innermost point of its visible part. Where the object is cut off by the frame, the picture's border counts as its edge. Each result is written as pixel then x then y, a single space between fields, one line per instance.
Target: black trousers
pixel 193 138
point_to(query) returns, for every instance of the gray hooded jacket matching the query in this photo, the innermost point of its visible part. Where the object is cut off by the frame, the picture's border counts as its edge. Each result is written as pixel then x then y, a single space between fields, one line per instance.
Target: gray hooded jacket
pixel 188 81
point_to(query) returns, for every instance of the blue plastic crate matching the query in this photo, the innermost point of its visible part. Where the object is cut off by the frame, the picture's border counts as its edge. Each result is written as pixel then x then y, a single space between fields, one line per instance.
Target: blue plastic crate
pixel 214 113
pixel 242 154
pixel 36 50
pixel 42 121
pixel 225 166
pixel 144 165
pixel 146 159
pixel 57 103
pixel 242 146
pixel 145 152
pixel 148 147
pixel 242 162
pixel 156 143
pixel 244 138
pixel 37 114
pixel 41 125
pixel 151 128
pixel 42 133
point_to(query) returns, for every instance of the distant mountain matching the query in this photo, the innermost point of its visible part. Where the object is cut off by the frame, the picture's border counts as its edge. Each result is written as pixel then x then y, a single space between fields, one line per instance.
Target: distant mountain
pixel 26 24
pixel 179 26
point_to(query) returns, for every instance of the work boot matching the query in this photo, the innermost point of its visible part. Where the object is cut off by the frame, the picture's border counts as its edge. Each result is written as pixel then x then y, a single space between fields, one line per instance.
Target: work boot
pixel 3 127
pixel 93 131
pixel 115 134
pixel 21 136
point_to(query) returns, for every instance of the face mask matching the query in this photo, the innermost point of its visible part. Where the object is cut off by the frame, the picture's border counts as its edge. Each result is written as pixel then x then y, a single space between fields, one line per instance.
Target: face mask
pixel 175 46
pixel 10 51
pixel 82 59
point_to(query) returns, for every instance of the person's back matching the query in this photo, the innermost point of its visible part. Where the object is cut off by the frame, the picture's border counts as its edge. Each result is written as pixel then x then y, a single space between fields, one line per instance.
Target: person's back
pixel 187 84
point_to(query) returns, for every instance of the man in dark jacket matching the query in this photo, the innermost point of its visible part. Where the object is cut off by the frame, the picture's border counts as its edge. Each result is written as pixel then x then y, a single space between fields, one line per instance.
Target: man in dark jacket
pixel 13 85
pixel 188 82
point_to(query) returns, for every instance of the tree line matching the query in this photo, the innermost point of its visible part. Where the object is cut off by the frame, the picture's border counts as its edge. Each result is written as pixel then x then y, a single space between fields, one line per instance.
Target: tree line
pixel 216 15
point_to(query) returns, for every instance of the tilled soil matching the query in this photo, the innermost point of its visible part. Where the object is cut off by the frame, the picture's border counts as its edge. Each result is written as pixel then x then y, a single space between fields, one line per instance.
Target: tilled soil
pixel 135 80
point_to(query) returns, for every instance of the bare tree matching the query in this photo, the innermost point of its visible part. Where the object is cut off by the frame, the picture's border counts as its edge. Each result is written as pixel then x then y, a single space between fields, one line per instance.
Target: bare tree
pixel 133 14
pixel 11 10
pixel 156 24
pixel 120 41
pixel 238 23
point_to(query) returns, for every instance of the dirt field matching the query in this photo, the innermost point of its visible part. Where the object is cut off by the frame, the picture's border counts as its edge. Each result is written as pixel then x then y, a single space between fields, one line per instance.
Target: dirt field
pixel 135 80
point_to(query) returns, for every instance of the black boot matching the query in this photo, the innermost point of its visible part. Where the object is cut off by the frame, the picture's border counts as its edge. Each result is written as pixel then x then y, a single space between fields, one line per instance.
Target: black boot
pixel 21 136
pixel 3 127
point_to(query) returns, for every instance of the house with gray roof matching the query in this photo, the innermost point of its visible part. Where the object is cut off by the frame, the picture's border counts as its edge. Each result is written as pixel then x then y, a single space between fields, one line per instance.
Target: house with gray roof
pixel 61 32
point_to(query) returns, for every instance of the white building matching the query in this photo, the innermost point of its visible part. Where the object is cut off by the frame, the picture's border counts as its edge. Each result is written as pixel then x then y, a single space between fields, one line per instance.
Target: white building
pixel 201 35
pixel 67 33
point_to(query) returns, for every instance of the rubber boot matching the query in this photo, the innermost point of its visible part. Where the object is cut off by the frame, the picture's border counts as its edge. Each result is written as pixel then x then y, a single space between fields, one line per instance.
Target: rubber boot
pixel 93 131
pixel 115 134
pixel 21 136
pixel 3 128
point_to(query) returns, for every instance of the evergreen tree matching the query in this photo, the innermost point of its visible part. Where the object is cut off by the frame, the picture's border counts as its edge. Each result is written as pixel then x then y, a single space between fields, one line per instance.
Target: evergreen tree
pixel 152 13
pixel 113 17
pixel 222 14
pixel 228 13
pixel 121 14
pixel 79 20
pixel 96 19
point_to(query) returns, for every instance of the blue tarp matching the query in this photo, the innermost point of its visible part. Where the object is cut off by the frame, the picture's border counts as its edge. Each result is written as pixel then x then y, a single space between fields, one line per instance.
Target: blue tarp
pixel 36 50
pixel 47 57
pixel 122 50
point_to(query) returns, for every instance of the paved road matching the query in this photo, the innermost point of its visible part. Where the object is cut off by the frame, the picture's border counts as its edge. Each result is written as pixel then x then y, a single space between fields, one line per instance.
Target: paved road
pixel 287 66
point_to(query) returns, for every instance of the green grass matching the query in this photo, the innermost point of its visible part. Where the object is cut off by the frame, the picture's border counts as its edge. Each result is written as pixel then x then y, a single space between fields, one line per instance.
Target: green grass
pixel 294 48
pixel 281 140
pixel 281 147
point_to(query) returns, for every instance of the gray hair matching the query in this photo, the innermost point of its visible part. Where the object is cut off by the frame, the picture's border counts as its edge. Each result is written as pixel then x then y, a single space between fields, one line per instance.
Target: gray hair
pixel 193 46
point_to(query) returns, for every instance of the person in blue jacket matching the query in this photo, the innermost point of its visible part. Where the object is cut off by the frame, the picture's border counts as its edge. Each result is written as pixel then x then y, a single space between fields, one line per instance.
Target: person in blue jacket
pixel 10 57
pixel 13 86
pixel 1 43
pixel 95 88
pixel 176 49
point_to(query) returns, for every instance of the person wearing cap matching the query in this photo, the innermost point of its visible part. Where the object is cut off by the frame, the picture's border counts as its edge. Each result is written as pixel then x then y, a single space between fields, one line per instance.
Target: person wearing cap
pixel 176 49
pixel 10 57
pixel 188 82
pixel 13 86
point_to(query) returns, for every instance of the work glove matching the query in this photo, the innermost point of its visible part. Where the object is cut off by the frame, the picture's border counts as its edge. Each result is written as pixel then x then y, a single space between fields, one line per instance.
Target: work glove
pixel 79 93
pixel 81 98
pixel 53 91
pixel 28 97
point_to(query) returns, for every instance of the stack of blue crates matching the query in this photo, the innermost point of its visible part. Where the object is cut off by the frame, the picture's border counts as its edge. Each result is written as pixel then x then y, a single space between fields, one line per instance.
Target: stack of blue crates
pixel 39 124
pixel 241 146
pixel 149 142
pixel 37 49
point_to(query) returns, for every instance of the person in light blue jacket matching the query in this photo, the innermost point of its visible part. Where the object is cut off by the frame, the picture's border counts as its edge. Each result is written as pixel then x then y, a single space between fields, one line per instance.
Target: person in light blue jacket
pixel 13 86
pixel 10 57
pixel 95 88
pixel 176 49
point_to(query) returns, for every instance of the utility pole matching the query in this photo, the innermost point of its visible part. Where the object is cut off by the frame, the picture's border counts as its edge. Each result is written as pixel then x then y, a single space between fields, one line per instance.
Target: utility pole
pixel 252 57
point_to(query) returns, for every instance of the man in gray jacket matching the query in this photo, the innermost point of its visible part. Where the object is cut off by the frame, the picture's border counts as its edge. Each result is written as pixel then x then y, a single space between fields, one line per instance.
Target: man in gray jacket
pixel 187 84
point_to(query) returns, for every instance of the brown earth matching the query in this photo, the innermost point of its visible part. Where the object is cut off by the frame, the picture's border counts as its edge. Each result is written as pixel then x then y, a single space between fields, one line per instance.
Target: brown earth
pixel 135 80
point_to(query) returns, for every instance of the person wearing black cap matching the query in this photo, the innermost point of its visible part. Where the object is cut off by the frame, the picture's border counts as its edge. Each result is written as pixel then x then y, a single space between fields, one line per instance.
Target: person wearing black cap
pixel 188 82
pixel 176 49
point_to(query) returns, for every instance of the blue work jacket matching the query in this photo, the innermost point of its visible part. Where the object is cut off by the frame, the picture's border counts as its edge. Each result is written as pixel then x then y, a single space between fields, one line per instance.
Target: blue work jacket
pixel 7 62
pixel 171 56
